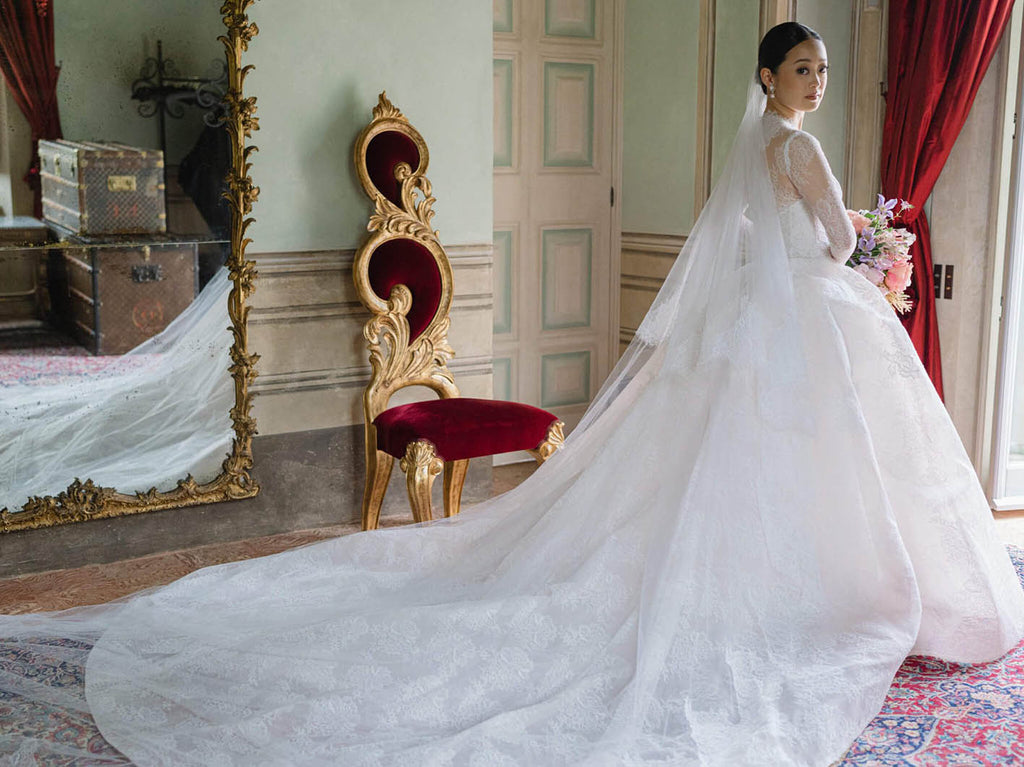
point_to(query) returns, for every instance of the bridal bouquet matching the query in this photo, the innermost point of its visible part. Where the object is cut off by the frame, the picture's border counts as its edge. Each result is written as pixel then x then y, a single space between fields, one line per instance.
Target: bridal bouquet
pixel 883 252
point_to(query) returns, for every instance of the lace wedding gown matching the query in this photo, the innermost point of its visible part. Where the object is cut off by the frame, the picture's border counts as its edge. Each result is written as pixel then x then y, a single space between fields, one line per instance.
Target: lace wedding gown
pixel 727 564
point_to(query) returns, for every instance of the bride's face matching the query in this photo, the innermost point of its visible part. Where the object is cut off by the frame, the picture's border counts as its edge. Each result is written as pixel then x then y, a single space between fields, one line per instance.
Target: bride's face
pixel 801 79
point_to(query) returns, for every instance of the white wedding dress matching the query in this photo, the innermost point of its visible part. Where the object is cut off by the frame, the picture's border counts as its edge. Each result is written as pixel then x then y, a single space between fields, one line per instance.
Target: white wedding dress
pixel 764 513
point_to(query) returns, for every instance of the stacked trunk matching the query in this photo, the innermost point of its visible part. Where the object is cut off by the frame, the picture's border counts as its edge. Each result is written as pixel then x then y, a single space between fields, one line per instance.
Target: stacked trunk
pixel 92 188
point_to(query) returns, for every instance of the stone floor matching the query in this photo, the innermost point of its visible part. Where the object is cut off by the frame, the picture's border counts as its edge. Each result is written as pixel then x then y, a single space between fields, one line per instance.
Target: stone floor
pixel 92 584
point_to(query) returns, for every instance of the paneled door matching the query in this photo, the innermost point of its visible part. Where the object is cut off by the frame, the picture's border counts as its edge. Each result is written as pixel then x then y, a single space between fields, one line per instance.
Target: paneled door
pixel 554 171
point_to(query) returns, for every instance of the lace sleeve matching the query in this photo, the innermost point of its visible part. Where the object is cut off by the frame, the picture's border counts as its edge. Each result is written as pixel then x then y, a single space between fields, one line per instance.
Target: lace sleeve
pixel 808 169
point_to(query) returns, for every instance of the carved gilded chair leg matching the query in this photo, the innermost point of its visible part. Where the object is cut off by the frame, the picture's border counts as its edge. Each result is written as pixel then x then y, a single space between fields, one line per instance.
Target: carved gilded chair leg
pixel 421 465
pixel 454 478
pixel 378 472
pixel 551 443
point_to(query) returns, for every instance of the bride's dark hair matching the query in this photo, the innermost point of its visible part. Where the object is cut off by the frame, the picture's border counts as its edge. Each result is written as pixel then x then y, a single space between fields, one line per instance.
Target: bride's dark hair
pixel 777 42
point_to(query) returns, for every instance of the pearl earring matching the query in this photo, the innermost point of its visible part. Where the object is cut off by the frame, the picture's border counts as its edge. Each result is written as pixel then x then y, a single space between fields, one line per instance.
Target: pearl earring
pixel 771 90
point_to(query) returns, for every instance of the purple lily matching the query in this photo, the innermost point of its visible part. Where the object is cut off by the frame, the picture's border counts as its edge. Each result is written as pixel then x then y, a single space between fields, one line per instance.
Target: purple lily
pixel 885 206
pixel 867 240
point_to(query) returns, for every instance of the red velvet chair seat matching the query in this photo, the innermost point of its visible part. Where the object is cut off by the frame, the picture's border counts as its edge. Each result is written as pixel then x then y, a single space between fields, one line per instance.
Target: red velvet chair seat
pixel 463 427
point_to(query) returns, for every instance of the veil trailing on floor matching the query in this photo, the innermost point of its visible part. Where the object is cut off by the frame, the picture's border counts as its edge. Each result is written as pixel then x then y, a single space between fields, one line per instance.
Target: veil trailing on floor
pixel 135 421
pixel 709 572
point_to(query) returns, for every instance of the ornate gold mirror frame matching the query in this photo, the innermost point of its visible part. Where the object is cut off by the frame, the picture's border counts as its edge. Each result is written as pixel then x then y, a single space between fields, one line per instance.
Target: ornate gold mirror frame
pixel 85 500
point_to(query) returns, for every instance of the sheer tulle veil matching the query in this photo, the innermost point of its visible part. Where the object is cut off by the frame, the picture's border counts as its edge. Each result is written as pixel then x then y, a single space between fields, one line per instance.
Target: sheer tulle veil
pixel 707 573
pixel 730 286
pixel 143 419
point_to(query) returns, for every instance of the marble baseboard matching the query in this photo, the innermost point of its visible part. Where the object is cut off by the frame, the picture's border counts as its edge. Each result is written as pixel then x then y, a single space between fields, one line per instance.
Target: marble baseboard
pixel 308 479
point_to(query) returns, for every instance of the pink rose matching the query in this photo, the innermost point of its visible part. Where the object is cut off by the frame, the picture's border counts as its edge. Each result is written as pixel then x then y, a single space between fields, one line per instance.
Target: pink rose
pixel 898 277
pixel 859 221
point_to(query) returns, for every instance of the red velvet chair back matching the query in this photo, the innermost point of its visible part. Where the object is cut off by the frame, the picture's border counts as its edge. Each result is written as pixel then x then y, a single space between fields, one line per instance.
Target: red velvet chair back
pixel 404 261
pixel 401 271
pixel 384 152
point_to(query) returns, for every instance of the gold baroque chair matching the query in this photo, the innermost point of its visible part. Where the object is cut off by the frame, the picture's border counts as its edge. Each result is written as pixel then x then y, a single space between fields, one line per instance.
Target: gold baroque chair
pixel 403 276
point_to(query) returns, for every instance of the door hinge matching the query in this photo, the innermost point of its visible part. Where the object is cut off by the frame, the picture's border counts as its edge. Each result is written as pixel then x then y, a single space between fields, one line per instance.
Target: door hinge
pixel 612 197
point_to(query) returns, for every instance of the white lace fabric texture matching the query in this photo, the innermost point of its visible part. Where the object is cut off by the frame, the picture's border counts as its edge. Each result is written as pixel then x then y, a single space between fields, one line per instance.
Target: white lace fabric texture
pixel 800 174
pixel 764 511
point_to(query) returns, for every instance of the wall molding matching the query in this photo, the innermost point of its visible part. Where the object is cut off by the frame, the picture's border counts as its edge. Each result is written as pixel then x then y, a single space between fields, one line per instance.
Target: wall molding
pixel 304 312
pixel 705 105
pixel 990 367
pixel 654 244
pixel 353 377
pixel 663 247
pixel 272 266
pixel 615 240
pixel 865 103
pixel 277 264
pixel 335 266
pixel 775 12
pixel 640 282
pixel 312 312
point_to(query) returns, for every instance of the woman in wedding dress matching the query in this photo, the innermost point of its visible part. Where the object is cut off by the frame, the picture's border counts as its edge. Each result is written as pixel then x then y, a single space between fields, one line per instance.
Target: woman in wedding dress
pixel 765 510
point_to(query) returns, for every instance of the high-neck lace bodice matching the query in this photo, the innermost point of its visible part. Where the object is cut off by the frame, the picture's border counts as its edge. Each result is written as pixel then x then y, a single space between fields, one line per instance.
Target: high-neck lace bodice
pixel 810 202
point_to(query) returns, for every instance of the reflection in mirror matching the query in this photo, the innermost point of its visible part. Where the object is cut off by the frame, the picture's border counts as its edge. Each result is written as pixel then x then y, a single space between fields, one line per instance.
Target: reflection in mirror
pixel 114 323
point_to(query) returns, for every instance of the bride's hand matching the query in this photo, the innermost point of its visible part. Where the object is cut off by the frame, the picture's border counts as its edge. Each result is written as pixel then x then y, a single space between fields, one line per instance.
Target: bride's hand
pixel 858 221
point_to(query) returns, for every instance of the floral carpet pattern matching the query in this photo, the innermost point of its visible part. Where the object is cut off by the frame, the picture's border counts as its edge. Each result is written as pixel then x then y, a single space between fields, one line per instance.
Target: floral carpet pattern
pixel 936 714
pixel 60 367
pixel 38 356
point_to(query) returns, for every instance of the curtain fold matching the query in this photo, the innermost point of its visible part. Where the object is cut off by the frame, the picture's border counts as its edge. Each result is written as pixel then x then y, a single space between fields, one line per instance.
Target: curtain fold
pixel 29 67
pixel 938 53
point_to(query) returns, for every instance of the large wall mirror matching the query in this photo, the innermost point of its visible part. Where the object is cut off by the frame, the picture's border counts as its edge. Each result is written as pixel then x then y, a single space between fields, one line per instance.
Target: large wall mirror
pixel 125 371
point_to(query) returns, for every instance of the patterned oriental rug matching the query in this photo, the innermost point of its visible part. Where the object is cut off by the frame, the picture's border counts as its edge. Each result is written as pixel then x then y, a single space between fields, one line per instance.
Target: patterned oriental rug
pixel 62 364
pixel 31 356
pixel 64 368
pixel 937 714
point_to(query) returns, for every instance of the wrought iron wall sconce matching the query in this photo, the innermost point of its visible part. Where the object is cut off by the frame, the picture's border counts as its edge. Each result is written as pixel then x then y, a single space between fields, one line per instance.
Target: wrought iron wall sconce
pixel 163 93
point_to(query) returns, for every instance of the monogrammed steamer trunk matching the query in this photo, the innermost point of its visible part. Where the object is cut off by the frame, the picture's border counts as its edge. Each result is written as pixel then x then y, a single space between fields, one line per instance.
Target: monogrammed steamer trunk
pixel 102 188
pixel 119 295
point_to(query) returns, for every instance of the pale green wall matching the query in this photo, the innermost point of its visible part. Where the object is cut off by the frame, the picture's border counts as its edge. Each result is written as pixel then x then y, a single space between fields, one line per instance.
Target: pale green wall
pixel 317 77
pixel 101 47
pixel 736 39
pixel 660 100
pixel 737 31
pixel 659 116
pixel 833 20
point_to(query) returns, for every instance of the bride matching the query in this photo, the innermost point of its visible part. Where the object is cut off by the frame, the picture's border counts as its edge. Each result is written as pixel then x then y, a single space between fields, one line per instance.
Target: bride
pixel 763 513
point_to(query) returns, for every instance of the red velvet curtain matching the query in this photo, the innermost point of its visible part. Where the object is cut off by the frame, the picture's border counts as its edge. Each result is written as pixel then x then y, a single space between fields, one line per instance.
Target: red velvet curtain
pixel 30 69
pixel 938 53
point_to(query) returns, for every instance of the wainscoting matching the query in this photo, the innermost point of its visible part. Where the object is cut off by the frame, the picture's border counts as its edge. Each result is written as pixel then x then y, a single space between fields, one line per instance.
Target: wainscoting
pixel 646 261
pixel 307 325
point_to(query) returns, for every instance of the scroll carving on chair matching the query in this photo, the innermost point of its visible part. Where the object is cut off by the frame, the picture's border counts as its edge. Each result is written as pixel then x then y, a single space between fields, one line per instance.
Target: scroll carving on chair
pixel 403 276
